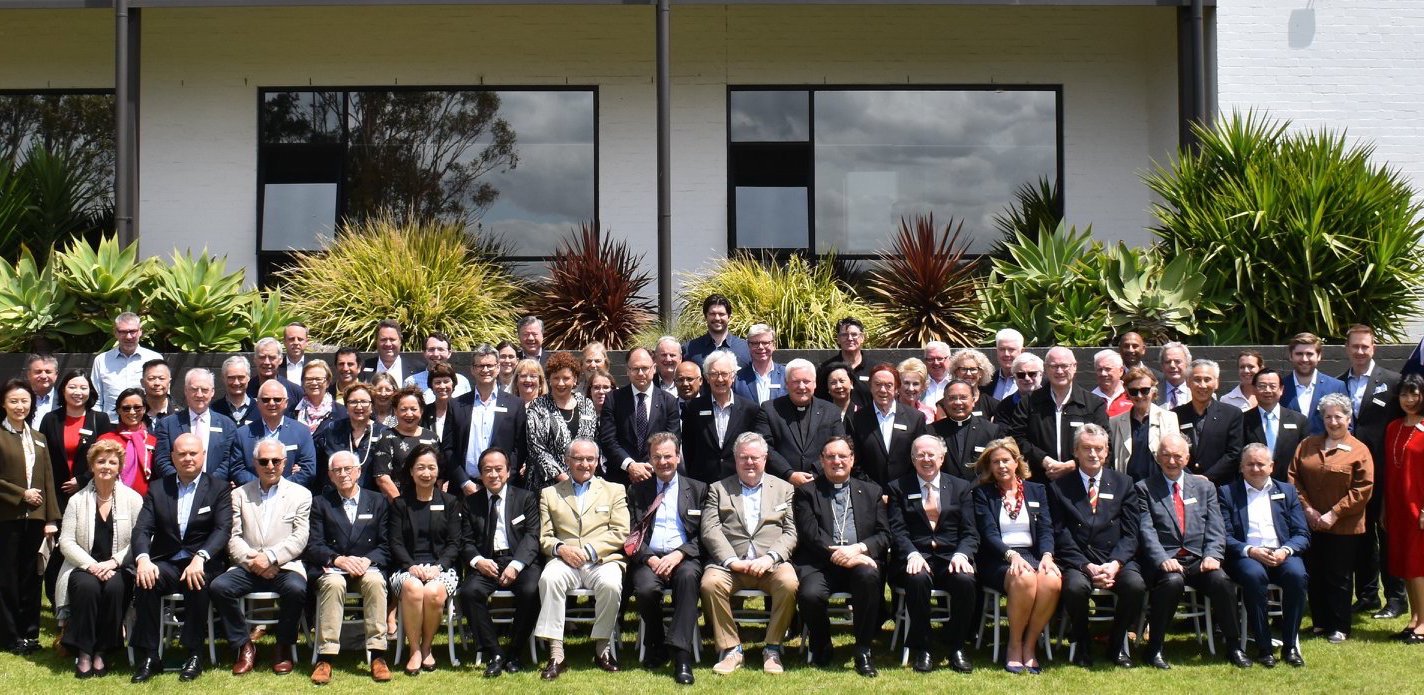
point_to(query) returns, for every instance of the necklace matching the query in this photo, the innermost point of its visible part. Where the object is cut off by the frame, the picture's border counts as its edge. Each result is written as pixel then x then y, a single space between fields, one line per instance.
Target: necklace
pixel 842 518
pixel 105 500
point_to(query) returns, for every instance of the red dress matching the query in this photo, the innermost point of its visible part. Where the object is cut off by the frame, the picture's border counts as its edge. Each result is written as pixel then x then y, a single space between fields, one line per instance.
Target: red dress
pixel 1404 454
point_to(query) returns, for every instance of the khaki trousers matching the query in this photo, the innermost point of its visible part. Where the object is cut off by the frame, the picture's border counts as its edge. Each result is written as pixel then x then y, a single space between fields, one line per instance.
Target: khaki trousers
pixel 330 599
pixel 718 584
pixel 558 579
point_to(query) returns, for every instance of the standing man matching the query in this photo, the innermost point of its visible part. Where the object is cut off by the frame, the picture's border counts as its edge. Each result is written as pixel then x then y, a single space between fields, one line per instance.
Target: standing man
pixel 1008 343
pixel 1212 427
pixel 1280 429
pixel 1045 420
pixel 531 339
pixel 630 415
pixel 717 311
pixel 122 366
pixel 688 382
pixel 964 434
pixel 437 349
pixel 347 364
pixel 763 379
pixel 667 355
pixel 1028 377
pixel 850 336
pixel 273 425
pixel 884 432
pixel 485 417
pixel 936 359
pixel 41 371
pixel 1107 366
pixel 267 356
pixel 798 425
pixel 1133 349
pixel 157 382
pixel 1173 391
pixel 236 404
pixel 1305 385
pixel 214 430
pixel 388 358
pixel 712 422
pixel 294 348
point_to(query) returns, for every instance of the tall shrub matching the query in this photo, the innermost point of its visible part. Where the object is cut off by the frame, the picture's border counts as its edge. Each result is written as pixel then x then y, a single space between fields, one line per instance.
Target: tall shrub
pixel 593 292
pixel 1050 289
pixel 925 287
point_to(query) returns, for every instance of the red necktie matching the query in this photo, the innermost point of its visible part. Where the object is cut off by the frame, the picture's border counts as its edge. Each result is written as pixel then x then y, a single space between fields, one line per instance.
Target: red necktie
pixel 1181 507
pixel 1093 494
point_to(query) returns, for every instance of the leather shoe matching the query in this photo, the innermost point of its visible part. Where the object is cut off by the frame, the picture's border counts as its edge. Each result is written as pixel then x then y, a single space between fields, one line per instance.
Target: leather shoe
pixel 606 661
pixel 1390 611
pixel 922 662
pixel 682 672
pixel 246 659
pixel 145 669
pixel 1238 658
pixel 282 660
pixel 1291 655
pixel 1082 659
pixel 865 665
pixel 960 662
pixel 553 669
pixel 1266 659
pixel 1366 606
pixel 657 657
pixel 192 668
pixel 380 672
pixel 1156 661
pixel 1123 660
pixel 512 664
pixel 823 657
pixel 321 675
pixel 495 666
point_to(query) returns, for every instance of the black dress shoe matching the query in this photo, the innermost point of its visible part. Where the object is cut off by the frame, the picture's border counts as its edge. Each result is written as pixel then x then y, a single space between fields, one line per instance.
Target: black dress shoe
pixel 495 666
pixel 145 669
pixel 606 661
pixel 553 669
pixel 82 675
pixel 1238 658
pixel 656 658
pixel 1291 655
pixel 1266 659
pixel 1366 606
pixel 960 662
pixel 192 668
pixel 682 672
pixel 1390 611
pixel 922 661
pixel 512 664
pixel 865 665
pixel 1082 659
pixel 1156 661
pixel 1123 660
pixel 823 657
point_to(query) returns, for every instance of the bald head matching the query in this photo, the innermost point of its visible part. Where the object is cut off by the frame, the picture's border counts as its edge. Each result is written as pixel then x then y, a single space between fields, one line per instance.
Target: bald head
pixel 188 456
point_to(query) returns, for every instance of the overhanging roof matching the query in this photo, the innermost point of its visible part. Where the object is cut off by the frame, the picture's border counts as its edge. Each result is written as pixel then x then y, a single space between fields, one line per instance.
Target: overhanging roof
pixel 92 4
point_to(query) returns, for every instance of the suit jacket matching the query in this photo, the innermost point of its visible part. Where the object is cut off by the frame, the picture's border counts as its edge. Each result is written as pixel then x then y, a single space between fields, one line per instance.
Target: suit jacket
pixel 988 500
pixel 411 363
pixel 1215 435
pixel 703 457
pixel 1085 537
pixel 506 433
pixel 690 493
pixel 1324 384
pixel 877 459
pixel 1159 420
pixel 221 430
pixel 221 405
pixel 52 427
pixel 787 453
pixel 1034 422
pixel 964 443
pixel 447 530
pixel 1378 408
pixel 156 532
pixel 285 535
pixel 295 437
pixel 1290 431
pixel 13 476
pixel 725 534
pixel 617 436
pixel 332 535
pixel 745 384
pixel 700 347
pixel 816 521
pixel 521 526
pixel 1159 535
pixel 1287 516
pixel 600 528
pixel 954 533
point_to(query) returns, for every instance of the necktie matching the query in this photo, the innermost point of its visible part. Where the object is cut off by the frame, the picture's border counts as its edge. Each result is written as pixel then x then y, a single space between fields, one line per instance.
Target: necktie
pixel 640 420
pixel 639 537
pixel 1269 421
pixel 494 518
pixel 1093 494
pixel 200 428
pixel 931 501
pixel 1180 507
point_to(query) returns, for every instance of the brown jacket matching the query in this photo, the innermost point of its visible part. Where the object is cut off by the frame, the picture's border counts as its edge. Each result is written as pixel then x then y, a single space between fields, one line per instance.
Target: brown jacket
pixel 1340 480
pixel 12 479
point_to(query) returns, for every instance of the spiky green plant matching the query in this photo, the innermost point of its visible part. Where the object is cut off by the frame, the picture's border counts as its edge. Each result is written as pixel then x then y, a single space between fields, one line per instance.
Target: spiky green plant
pixel 924 286
pixel 267 317
pixel 48 197
pixel 1036 207
pixel 593 292
pixel 197 306
pixel 37 312
pixel 105 280
pixel 1050 289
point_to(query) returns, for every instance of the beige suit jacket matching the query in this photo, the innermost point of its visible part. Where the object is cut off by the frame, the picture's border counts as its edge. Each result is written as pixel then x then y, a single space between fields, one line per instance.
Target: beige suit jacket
pixel 285 531
pixel 1159 420
pixel 600 529
pixel 726 536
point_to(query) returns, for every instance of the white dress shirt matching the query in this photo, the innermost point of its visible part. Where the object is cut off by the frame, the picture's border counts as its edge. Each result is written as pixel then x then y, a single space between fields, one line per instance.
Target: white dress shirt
pixel 1260 521
pixel 668 533
pixel 114 371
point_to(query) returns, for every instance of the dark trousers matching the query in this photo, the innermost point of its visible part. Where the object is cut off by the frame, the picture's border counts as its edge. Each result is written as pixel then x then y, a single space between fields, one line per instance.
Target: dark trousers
pixel 1129 590
pixel 1166 592
pixel 475 593
pixel 228 589
pixel 1331 571
pixel 96 612
pixel 19 580
pixel 1372 560
pixel 686 586
pixel 1253 578
pixel 867 592
pixel 963 593
pixel 147 608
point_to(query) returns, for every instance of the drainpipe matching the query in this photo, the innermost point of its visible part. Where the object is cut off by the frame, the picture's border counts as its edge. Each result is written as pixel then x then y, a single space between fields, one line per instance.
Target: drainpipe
pixel 1199 114
pixel 123 144
pixel 665 297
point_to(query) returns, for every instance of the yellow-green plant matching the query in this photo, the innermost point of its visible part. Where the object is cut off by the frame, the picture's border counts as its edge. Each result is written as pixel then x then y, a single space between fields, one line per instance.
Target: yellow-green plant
pixel 105 281
pixel 37 312
pixel 197 305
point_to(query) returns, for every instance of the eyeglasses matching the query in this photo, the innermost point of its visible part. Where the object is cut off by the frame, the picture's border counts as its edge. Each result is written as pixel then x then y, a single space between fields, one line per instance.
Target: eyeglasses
pixel 314 380
pixel 132 408
pixel 966 370
pixel 355 403
pixel 1026 375
pixel 272 399
pixel 758 343
pixel 1140 393
pixel 344 470
pixel 271 462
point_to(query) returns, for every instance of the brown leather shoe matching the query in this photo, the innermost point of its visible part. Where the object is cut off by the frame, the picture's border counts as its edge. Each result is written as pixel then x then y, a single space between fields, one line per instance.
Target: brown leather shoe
pixel 606 662
pixel 380 672
pixel 553 669
pixel 246 659
pixel 282 660
pixel 321 675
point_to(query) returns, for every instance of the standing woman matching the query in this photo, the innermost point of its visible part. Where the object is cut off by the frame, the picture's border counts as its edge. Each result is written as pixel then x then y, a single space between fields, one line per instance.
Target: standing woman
pixel 408 432
pixel 77 425
pixel 508 358
pixel 600 384
pixel 973 368
pixel 360 435
pixel 1248 362
pixel 529 381
pixel 383 401
pixel 1334 475
pixel 131 411
pixel 93 592
pixel 1016 548
pixel 840 386
pixel 434 418
pixel 555 420
pixel 913 375
pixel 426 529
pixel 318 409
pixel 1137 433
pixel 28 512
pixel 1404 501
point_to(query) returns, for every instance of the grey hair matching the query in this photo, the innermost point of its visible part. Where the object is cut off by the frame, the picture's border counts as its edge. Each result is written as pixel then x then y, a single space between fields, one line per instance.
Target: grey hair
pixel 1027 358
pixel 747 439
pixel 344 454
pixel 1088 429
pixel 719 356
pixel 257 448
pixel 1174 436
pixel 1338 400
pixel 1257 446
pixel 483 350
pixel 237 360
pixel 269 340
pixel 1110 355
pixel 126 317
pixel 1174 345
pixel 1008 335
pixel 202 372
pixel 569 450
pixel 799 363
pixel 933 441
pixel 1209 364
pixel 761 329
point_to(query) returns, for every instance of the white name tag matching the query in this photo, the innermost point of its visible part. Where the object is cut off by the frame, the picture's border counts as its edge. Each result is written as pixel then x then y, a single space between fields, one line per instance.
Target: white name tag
pixel 601 509
pixel 365 516
pixel 899 426
pixel 148 446
pixel 1278 496
pixel 291 447
pixel 215 429
pixel 1377 402
pixel 1189 500
pixel 914 496
pixel 1105 496
pixel 1343 447
pixel 1186 426
pixel 694 512
pixel 704 412
pixel 85 432
pixel 977 413
pixel 437 507
pixel 501 409
pixel 863 378
pixel 1075 424
pixel 42 444
pixel 1419 427
pixel 517 519
pixel 978 449
pixel 205 510
pixel 774 386
pixel 1289 425
pixel 1033 504
pixel 780 507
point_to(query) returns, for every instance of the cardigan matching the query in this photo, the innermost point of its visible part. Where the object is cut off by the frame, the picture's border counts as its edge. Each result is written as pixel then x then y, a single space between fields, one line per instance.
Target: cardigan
pixel 76 537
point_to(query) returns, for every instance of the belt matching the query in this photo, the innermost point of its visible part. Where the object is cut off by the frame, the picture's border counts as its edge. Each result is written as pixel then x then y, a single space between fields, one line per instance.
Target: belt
pixel 501 554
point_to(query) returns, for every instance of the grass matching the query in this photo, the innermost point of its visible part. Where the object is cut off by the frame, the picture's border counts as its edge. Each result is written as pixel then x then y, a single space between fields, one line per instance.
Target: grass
pixel 1368 663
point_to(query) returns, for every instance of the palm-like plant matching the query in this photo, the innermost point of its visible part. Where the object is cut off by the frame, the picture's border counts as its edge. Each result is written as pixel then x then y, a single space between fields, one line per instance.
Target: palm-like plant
pixel 593 292
pixel 1036 208
pixel 197 305
pixel 1050 289
pixel 924 287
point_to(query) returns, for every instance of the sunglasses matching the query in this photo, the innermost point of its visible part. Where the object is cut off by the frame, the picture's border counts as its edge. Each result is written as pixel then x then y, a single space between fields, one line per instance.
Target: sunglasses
pixel 1026 375
pixel 271 462
pixel 272 399
pixel 1139 393
pixel 132 408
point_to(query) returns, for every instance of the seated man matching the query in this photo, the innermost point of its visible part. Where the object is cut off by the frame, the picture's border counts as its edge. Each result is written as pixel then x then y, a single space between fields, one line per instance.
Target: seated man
pixel 347 551
pixel 1182 542
pixel 501 549
pixel 583 523
pixel 270 523
pixel 668 554
pixel 843 535
pixel 1265 532
pixel 749 533
pixel 179 545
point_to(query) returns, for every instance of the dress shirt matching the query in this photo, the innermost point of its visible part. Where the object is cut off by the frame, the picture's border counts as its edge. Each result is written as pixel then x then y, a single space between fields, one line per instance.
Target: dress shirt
pixel 1087 480
pixel 1271 426
pixel 199 423
pixel 1357 385
pixel 265 496
pixel 668 532
pixel 481 429
pixel 1004 386
pixel 763 384
pixel 271 432
pixel 647 406
pixel 751 515
pixel 1058 421
pixel 397 369
pixel 1175 396
pixel 1237 398
pixel 349 505
pixel 293 370
pixel 580 496
pixel 930 488
pixel 114 371
pixel 500 541
pixel 887 423
pixel 842 515
pixel 721 416
pixel 1305 391
pixel 43 404
pixel 1260 522
pixel 186 492
pixel 934 390
pixel 1015 532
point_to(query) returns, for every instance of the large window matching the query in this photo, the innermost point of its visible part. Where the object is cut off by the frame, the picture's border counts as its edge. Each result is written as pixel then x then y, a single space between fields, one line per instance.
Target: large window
pixel 830 169
pixel 515 164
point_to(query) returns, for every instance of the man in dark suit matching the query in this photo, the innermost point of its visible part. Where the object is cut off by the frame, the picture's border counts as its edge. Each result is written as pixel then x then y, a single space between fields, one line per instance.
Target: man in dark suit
pixel 1265 532
pixel 485 417
pixel 712 422
pixel 179 545
pixel 964 433
pixel 884 431
pixel 798 425
pixel 1182 542
pixel 1279 429
pixel 1044 422
pixel 717 312
pixel 630 415
pixel 501 556
pixel 1096 515
pixel 843 535
pixel 296 440
pixel 1212 427
pixel 762 379
pixel 215 430
pixel 267 358
pixel 667 510
pixel 850 337
pixel 1305 385
pixel 346 550
pixel 531 339
pixel 236 404
pixel 388 357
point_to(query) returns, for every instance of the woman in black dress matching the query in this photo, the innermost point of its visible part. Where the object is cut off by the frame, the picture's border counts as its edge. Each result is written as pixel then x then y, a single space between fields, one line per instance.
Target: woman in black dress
pixel 426 529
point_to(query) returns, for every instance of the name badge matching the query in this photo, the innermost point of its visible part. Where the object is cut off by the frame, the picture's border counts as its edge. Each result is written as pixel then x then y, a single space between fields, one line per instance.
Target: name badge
pixel 42 445
pixel 1105 495
pixel 517 519
pixel 704 412
pixel 291 447
pixel 977 413
pixel 365 517
pixel 774 386
pixel 85 432
pixel 1186 426
pixel 864 378
pixel 437 507
pixel 694 512
pixel 215 429
pixel 1075 424
pixel 368 369
pixel 501 409
pixel 1189 500
pixel 1343 447
pixel 1033 504
pixel 1289 425
pixel 205 510
pixel 601 509
pixel 1278 496
pixel 978 449
pixel 899 426
pixel 1419 427
pixel 780 507
pixel 1377 402
pixel 914 496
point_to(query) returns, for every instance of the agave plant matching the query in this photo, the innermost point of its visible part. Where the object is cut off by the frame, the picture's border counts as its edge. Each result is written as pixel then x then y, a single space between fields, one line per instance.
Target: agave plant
pixel 593 292
pixel 1036 208
pixel 924 287
pixel 1158 300
pixel 1050 289
pixel 266 317
pixel 105 280
pixel 197 306
pixel 37 312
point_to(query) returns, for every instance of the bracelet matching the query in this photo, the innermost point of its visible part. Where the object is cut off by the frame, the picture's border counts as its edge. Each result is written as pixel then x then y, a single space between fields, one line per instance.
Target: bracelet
pixel 1010 554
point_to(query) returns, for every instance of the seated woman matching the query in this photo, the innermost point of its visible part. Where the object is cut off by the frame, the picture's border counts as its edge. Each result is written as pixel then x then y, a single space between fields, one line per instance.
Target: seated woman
pixel 1016 548
pixel 426 529
pixel 92 593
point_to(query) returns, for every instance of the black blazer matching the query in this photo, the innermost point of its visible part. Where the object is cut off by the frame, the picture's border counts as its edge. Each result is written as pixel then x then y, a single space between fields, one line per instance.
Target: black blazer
pixel 508 434
pixel 617 437
pixel 1287 516
pixel 446 434
pixel 332 535
pixel 985 406
pixel 988 500
pixel 222 406
pixel 52 427
pixel 1216 438
pixel 521 518
pixel 787 454
pixel 1290 431
pixel 702 457
pixel 447 531
pixel 877 460
pixel 1084 537
pixel 815 521
pixel 690 494
pixel 964 443
pixel 209 521
pixel 1034 421
pixel 910 531
pixel 374 456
